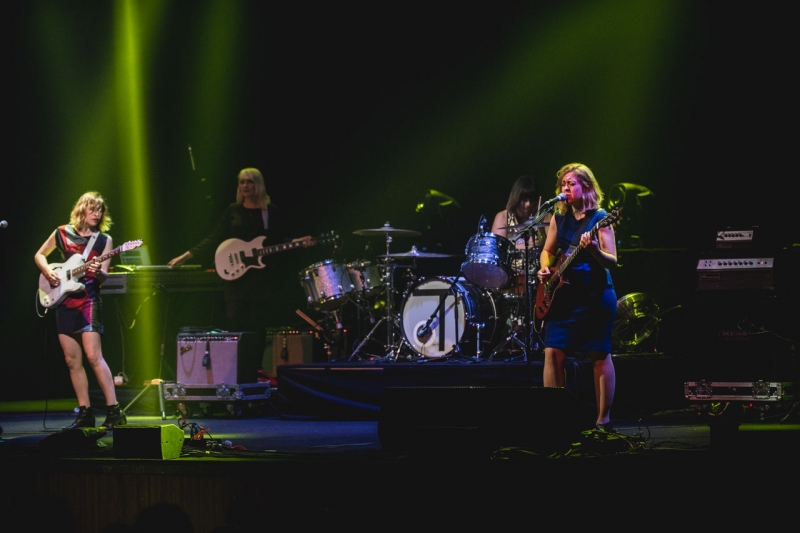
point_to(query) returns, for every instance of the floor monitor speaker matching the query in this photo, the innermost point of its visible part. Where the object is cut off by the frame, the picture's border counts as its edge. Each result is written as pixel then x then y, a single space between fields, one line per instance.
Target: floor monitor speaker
pixel 148 442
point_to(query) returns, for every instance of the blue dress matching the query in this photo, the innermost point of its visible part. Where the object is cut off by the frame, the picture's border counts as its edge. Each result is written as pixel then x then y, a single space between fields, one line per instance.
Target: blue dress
pixel 581 316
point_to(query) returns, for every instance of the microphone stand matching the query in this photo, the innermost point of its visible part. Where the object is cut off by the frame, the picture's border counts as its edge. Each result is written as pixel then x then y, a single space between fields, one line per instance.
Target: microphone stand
pixel 527 347
pixel 456 355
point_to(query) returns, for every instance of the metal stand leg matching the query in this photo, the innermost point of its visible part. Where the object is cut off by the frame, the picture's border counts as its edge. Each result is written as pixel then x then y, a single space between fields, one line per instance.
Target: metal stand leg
pixel 354 356
pixel 160 383
pixel 161 399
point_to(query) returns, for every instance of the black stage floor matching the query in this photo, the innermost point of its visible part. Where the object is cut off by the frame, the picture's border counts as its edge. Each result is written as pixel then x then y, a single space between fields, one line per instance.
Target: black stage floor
pixel 399 445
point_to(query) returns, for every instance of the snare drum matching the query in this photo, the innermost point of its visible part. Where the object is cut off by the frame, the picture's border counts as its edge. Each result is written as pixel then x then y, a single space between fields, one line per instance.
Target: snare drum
pixel 326 284
pixel 467 317
pixel 365 277
pixel 487 263
pixel 516 288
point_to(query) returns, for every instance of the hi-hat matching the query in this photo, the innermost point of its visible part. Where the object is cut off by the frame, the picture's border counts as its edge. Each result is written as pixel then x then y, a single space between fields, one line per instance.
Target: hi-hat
pixel 526 226
pixel 387 230
pixel 416 253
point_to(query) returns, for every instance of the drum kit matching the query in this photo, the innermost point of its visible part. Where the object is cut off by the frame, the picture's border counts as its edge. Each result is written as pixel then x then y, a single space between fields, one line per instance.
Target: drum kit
pixel 445 318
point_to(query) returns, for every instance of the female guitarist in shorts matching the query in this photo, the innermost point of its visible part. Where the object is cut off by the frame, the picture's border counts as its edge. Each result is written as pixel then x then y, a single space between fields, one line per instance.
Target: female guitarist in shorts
pixel 79 317
pixel 581 317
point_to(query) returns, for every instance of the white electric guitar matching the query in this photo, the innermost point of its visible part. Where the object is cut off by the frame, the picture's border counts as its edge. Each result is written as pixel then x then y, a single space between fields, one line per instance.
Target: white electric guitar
pixel 234 256
pixel 70 273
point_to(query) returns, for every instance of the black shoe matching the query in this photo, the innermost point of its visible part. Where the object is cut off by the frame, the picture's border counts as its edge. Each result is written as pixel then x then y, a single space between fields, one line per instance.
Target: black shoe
pixel 115 417
pixel 85 419
pixel 605 428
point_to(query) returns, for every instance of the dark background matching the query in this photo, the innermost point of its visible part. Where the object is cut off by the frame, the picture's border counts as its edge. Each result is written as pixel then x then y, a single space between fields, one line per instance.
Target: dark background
pixel 354 114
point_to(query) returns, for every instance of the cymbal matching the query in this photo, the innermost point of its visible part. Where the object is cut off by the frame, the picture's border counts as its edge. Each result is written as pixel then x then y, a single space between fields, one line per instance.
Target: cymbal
pixel 415 253
pixel 526 226
pixel 387 230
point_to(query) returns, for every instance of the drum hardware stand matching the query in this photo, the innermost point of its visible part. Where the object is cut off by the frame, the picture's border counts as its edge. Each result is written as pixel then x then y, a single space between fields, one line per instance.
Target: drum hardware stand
pixel 392 324
pixel 320 332
pixel 526 347
pixel 512 338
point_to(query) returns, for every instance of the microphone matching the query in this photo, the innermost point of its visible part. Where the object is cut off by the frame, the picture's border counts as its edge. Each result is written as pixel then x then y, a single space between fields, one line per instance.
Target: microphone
pixel 482 225
pixel 207 355
pixel 424 332
pixel 3 224
pixel 284 350
pixel 549 203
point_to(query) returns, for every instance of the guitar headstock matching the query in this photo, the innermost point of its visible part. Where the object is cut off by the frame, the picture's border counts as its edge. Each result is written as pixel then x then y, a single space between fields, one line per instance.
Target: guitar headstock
pixel 130 245
pixel 612 218
pixel 330 237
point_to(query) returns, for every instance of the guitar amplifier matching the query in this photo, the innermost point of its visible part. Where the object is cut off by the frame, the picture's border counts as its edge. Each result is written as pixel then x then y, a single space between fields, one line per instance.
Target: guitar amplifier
pixel 288 347
pixel 734 239
pixel 217 358
pixel 747 273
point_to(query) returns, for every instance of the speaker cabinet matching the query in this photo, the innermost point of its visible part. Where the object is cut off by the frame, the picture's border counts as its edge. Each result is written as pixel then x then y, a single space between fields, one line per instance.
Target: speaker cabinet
pixel 148 442
pixel 456 420
pixel 287 348
pixel 73 440
pixel 211 359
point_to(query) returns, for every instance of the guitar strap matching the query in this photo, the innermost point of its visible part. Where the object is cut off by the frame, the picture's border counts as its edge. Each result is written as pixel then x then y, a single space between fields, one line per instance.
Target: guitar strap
pixel 89 245
pixel 582 229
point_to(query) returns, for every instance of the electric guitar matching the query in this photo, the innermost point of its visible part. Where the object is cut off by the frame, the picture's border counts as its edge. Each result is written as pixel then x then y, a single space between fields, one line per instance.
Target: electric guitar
pixel 547 289
pixel 70 273
pixel 234 257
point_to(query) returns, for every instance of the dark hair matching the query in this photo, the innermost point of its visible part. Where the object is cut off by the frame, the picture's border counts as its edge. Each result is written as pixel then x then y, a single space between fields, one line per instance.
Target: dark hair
pixel 524 188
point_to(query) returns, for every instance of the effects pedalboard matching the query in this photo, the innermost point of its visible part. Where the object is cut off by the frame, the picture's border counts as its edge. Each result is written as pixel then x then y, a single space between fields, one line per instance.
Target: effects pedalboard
pixel 747 391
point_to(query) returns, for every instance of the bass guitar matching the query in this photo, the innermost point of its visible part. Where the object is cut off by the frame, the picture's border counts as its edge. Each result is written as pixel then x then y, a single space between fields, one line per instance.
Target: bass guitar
pixel 234 257
pixel 70 273
pixel 547 289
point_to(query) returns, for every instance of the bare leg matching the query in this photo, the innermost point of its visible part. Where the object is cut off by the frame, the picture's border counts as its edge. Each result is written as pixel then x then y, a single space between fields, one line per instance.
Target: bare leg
pixel 73 355
pixel 553 373
pixel 605 381
pixel 94 354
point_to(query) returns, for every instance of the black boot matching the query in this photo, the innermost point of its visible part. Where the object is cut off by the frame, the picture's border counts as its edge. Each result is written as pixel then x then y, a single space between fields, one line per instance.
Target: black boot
pixel 115 417
pixel 85 419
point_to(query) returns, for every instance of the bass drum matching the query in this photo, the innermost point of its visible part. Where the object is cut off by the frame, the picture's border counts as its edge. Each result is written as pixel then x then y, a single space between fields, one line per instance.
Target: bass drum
pixel 455 311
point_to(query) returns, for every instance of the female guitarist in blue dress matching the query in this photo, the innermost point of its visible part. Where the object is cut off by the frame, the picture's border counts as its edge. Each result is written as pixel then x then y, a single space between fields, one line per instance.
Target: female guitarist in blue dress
pixel 247 290
pixel 581 318
pixel 79 313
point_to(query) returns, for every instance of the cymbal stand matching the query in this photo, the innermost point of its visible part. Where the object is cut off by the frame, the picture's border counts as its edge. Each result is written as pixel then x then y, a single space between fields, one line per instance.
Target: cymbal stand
pixel 392 347
pixel 527 347
pixel 456 354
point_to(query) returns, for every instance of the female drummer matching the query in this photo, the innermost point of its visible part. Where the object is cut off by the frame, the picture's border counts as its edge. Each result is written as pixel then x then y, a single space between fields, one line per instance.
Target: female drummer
pixel 522 204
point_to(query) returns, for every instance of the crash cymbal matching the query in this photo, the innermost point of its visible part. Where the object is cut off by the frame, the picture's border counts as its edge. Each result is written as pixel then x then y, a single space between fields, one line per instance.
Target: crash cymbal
pixel 415 253
pixel 387 230
pixel 526 226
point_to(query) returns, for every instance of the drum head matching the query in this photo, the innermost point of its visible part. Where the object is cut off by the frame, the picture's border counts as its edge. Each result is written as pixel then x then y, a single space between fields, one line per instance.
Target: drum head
pixel 326 284
pixel 487 263
pixel 433 302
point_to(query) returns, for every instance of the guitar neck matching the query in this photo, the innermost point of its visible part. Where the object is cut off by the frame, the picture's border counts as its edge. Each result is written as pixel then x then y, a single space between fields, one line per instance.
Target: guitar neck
pixel 277 248
pixel 570 257
pixel 98 259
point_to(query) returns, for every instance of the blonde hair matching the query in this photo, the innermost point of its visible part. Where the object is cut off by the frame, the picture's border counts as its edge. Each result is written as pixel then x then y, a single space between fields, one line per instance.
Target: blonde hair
pixel 93 201
pixel 592 193
pixel 261 190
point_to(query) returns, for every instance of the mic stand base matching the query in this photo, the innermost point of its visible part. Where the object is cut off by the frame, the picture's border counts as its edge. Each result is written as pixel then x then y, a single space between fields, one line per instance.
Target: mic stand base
pixel 511 339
